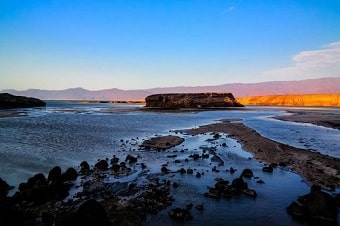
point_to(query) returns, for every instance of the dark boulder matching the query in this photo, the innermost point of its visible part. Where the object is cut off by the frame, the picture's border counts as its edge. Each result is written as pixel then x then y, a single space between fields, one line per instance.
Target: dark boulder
pixel 10 101
pixel 37 180
pixel 238 184
pixel 267 169
pixel 54 175
pixel 84 167
pixel 247 173
pixel 131 159
pixel 102 165
pixel 70 175
pixel 114 160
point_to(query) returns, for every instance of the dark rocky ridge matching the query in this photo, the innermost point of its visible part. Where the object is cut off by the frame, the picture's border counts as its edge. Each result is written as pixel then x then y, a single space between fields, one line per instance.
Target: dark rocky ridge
pixel 10 101
pixel 191 100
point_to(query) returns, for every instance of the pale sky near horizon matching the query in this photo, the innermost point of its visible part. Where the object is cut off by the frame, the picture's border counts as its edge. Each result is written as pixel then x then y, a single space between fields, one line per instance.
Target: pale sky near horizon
pixel 59 44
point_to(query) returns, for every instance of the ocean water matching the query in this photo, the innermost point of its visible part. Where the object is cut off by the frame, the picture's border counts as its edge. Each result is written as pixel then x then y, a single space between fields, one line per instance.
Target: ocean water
pixel 66 133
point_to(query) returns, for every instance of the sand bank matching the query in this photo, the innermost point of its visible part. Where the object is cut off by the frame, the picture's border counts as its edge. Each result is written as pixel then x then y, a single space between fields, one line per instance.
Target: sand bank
pixel 329 119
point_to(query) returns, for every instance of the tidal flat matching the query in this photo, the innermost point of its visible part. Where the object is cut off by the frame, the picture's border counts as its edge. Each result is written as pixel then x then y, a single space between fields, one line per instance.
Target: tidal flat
pixel 140 186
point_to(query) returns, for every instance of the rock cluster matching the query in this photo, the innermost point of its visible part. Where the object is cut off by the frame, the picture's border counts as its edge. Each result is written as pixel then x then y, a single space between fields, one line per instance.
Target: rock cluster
pixel 191 100
pixel 223 188
pixel 10 101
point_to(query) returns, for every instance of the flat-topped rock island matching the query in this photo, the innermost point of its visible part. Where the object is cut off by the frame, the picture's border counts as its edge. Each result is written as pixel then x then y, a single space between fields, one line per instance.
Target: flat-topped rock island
pixel 191 100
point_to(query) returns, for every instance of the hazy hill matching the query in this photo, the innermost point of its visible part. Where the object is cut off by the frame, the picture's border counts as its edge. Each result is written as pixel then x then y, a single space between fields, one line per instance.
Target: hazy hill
pixel 310 86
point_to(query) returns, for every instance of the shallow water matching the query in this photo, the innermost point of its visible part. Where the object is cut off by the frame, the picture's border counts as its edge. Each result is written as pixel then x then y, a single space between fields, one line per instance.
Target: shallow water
pixel 66 133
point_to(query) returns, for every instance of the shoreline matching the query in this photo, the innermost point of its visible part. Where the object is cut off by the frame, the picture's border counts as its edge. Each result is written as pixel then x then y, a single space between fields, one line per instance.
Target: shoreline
pixel 315 167
pixel 325 119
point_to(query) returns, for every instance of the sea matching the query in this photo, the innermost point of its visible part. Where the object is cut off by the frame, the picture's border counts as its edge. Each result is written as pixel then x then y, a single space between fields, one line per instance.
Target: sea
pixel 65 133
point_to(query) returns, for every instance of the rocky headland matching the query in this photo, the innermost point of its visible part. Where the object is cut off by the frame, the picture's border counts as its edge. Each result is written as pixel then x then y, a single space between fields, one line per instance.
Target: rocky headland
pixel 191 100
pixel 10 101
pixel 317 100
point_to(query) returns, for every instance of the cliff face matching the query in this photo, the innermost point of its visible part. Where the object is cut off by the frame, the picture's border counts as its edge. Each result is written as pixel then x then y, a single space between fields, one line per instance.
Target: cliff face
pixel 191 100
pixel 11 101
pixel 332 100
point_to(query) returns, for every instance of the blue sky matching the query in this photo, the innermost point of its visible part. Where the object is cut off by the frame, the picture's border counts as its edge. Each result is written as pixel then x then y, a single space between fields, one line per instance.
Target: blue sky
pixel 141 44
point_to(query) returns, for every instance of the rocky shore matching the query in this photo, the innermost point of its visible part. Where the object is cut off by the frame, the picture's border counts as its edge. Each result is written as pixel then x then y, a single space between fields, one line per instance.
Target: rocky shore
pixel 101 194
pixel 10 101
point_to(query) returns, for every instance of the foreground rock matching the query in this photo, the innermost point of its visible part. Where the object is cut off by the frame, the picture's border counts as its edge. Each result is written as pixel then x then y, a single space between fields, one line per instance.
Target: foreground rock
pixel 191 100
pixel 10 101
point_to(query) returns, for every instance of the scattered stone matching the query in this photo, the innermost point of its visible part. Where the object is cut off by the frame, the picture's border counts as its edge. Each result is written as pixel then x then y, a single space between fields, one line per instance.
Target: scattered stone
pixel 260 182
pixel 247 173
pixel 182 171
pixel 190 171
pixel 249 192
pixel 267 169
pixel 164 170
pixel 216 136
pixel 131 159
pixel 143 165
pixel 232 170
pixel 198 174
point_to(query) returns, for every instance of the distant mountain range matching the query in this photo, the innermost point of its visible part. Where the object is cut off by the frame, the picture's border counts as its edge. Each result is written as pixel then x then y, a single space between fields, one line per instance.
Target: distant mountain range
pixel 310 86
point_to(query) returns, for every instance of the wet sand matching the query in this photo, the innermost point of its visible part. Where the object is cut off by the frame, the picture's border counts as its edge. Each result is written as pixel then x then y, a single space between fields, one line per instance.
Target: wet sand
pixel 329 119
pixel 314 167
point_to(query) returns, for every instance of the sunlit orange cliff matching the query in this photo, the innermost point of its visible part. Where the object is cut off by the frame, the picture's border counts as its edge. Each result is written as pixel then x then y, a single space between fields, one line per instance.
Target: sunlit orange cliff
pixel 331 100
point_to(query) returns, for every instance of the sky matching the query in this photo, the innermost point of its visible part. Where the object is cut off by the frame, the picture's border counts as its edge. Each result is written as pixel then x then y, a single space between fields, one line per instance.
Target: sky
pixel 102 44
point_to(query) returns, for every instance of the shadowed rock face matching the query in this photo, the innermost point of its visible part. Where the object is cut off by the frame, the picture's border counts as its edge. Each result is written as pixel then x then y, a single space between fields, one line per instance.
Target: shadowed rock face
pixel 192 100
pixel 11 101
